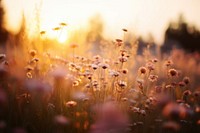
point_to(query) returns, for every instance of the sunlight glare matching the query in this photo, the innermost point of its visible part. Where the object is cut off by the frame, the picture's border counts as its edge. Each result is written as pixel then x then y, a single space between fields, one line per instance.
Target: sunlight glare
pixel 63 37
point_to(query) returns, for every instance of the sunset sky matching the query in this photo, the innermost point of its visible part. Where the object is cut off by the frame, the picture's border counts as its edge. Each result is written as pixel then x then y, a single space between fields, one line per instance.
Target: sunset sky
pixel 140 16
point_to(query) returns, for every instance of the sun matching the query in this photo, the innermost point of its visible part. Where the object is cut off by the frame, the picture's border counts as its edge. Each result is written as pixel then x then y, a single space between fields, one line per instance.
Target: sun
pixel 63 37
pixel 60 32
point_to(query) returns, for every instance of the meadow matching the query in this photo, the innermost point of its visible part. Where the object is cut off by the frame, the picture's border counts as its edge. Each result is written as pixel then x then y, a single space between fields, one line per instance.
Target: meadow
pixel 48 87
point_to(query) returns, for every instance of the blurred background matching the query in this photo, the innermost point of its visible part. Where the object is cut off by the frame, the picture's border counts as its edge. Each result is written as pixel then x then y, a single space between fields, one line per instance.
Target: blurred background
pixel 172 23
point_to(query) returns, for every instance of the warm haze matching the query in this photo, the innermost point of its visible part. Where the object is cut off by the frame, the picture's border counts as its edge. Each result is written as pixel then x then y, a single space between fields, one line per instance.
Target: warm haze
pixel 140 16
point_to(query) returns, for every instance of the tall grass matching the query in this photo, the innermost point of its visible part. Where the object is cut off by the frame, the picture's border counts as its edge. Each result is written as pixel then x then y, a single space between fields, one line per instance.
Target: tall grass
pixel 45 87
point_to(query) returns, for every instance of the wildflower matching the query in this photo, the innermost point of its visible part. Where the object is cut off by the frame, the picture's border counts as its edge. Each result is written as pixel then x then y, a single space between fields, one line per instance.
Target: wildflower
pixel 196 94
pixel 171 126
pixel 56 28
pixel 61 120
pixel 135 109
pixel 42 32
pixel 168 63
pixel 142 70
pixel 59 72
pixel 35 59
pixel 71 104
pixel 181 84
pixel 124 71
pixel 63 24
pixel 198 122
pixel 94 66
pixel 114 73
pixel 174 111
pixel 119 42
pixel 78 68
pixel 73 45
pixel 87 86
pixel 29 75
pixel 124 99
pixel 187 93
pixel 186 80
pixel 125 30
pixel 197 109
pixel 155 60
pixel 122 84
pixel 140 81
pixel 148 101
pixel 150 66
pixel 2 57
pixel 116 62
pixel 172 72
pixel 123 52
pixel 32 52
pixel 123 59
pixel 143 112
pixel 29 68
pixel 127 55
pixel 179 101
pixel 97 57
pixel 146 107
pixel 104 65
pixel 153 78
pixel 140 123
pixel 158 89
pixel 75 83
pixel 169 86
pixel 110 119
pixel 79 96
pixel 51 106
pixel 89 76
pixel 95 83
pixel 72 65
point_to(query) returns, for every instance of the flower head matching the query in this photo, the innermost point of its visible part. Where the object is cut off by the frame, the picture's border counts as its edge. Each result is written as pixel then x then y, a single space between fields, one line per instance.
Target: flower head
pixel 172 72
pixel 71 104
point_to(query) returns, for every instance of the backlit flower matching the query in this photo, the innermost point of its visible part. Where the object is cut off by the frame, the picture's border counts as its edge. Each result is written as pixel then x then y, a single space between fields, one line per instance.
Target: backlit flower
pixel 172 72
pixel 71 104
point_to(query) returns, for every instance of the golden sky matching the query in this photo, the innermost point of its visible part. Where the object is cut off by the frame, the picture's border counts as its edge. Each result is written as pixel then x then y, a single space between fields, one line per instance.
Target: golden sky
pixel 141 16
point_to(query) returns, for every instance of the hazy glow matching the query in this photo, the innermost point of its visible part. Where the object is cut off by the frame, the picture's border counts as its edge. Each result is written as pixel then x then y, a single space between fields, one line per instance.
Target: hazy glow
pixel 141 16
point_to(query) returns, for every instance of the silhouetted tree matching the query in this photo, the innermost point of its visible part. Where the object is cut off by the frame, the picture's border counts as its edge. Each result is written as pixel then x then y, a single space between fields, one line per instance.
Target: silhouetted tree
pixel 182 36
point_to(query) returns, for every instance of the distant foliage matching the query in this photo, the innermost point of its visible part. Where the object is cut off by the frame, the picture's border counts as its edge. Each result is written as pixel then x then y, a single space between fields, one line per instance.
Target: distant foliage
pixel 182 35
